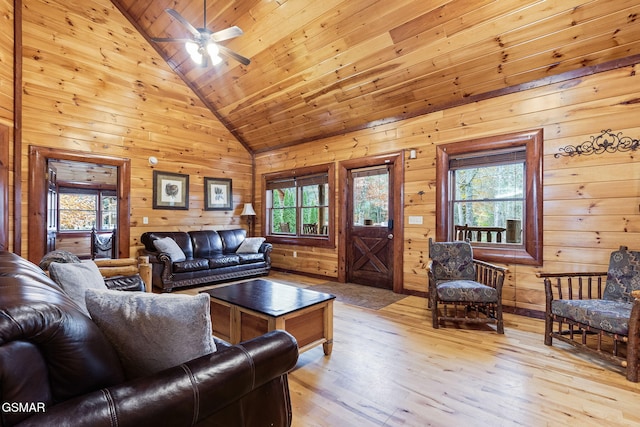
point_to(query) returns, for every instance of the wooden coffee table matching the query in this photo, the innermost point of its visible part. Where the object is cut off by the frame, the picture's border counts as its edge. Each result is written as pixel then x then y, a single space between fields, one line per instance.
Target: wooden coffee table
pixel 245 310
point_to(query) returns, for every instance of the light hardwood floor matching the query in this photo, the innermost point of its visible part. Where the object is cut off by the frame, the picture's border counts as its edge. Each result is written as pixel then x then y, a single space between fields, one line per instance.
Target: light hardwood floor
pixel 391 368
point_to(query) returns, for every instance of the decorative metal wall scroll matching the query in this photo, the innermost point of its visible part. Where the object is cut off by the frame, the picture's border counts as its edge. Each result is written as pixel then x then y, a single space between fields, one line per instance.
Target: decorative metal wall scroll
pixel 607 141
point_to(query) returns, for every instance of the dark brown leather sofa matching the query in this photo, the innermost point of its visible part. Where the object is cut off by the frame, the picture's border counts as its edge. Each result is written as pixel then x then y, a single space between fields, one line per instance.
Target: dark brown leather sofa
pixel 211 257
pixel 58 369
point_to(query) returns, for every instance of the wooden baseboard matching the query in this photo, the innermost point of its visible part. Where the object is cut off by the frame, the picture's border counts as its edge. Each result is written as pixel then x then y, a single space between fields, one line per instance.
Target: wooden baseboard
pixel 301 273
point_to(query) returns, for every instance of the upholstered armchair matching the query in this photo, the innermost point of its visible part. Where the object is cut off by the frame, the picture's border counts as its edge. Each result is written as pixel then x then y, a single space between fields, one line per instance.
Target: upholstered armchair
pixel 463 289
pixel 598 312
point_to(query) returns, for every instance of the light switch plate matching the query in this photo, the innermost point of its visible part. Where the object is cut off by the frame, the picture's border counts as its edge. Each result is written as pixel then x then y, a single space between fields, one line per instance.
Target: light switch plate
pixel 415 220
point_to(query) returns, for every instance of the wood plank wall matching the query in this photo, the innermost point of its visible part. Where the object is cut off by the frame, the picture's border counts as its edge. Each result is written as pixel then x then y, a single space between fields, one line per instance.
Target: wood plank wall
pixel 6 94
pixel 6 63
pixel 591 203
pixel 93 84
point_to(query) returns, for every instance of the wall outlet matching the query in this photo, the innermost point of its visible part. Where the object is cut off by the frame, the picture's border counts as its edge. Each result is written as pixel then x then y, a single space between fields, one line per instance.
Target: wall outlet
pixel 295 254
pixel 145 220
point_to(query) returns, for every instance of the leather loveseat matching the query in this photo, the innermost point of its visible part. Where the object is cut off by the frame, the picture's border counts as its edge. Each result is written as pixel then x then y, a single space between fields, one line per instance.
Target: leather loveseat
pixel 59 369
pixel 211 256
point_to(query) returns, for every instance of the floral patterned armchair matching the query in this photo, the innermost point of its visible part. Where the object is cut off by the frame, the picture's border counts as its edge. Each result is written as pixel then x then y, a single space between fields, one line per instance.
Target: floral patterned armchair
pixel 468 290
pixel 601 321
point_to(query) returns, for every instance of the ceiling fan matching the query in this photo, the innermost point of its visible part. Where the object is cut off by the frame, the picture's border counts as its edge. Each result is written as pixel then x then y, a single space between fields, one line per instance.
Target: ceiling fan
pixel 204 45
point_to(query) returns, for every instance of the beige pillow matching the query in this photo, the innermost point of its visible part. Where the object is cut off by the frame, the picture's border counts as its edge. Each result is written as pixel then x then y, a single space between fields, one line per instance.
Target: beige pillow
pixel 168 245
pixel 250 245
pixel 152 332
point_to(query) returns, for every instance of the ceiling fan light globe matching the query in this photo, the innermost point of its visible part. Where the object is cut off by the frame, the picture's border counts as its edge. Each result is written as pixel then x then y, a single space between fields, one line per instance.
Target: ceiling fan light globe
pixel 192 48
pixel 215 60
pixel 212 50
pixel 197 58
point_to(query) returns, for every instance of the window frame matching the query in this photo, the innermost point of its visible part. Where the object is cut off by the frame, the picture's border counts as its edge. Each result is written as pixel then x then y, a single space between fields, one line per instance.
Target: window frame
pixel 99 192
pixel 318 240
pixel 530 252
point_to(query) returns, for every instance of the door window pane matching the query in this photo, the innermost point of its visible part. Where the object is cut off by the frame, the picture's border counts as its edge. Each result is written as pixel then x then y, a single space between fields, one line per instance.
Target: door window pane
pixel 371 196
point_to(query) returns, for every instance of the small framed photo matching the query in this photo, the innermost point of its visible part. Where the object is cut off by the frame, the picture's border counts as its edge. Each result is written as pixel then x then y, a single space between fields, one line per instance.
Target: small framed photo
pixel 218 195
pixel 170 190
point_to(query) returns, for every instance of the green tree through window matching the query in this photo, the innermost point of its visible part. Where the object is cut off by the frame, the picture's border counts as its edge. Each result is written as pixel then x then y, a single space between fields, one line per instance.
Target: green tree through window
pixel 489 196
pixel 492 186
pixel 298 205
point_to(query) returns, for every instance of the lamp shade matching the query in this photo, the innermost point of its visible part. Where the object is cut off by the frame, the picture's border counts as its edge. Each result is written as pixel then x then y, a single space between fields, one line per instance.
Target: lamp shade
pixel 248 210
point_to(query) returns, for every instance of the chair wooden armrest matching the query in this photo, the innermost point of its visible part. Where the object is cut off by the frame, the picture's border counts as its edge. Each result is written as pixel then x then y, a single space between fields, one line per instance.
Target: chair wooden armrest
pixel 573 285
pixel 490 274
pixel 127 267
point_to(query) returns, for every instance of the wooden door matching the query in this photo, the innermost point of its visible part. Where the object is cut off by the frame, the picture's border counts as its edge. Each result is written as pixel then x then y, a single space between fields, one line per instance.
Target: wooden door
pixel 370 221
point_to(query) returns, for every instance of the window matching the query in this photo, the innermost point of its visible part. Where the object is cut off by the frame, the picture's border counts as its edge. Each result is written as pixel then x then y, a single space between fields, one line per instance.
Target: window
pixel 490 192
pixel 487 196
pixel 299 206
pixel 83 209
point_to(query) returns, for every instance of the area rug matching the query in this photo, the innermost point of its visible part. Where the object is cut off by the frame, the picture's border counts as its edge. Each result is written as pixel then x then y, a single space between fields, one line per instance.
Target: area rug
pixel 360 295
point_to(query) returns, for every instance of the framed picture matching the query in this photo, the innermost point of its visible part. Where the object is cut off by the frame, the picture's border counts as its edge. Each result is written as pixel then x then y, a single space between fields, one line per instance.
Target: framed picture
pixel 218 195
pixel 170 190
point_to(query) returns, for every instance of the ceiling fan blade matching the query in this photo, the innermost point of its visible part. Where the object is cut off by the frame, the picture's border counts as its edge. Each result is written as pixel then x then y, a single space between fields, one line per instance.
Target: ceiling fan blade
pixel 183 21
pixel 241 59
pixel 227 34
pixel 169 40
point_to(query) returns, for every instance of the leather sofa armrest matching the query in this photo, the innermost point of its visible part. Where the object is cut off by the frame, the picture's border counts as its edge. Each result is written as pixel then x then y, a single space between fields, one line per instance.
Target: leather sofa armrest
pixel 266 248
pixel 154 256
pixel 167 265
pixel 189 393
pixel 133 283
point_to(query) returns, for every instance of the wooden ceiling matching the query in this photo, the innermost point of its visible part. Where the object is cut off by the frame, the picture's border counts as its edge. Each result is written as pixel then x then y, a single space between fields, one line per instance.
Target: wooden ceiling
pixel 325 67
